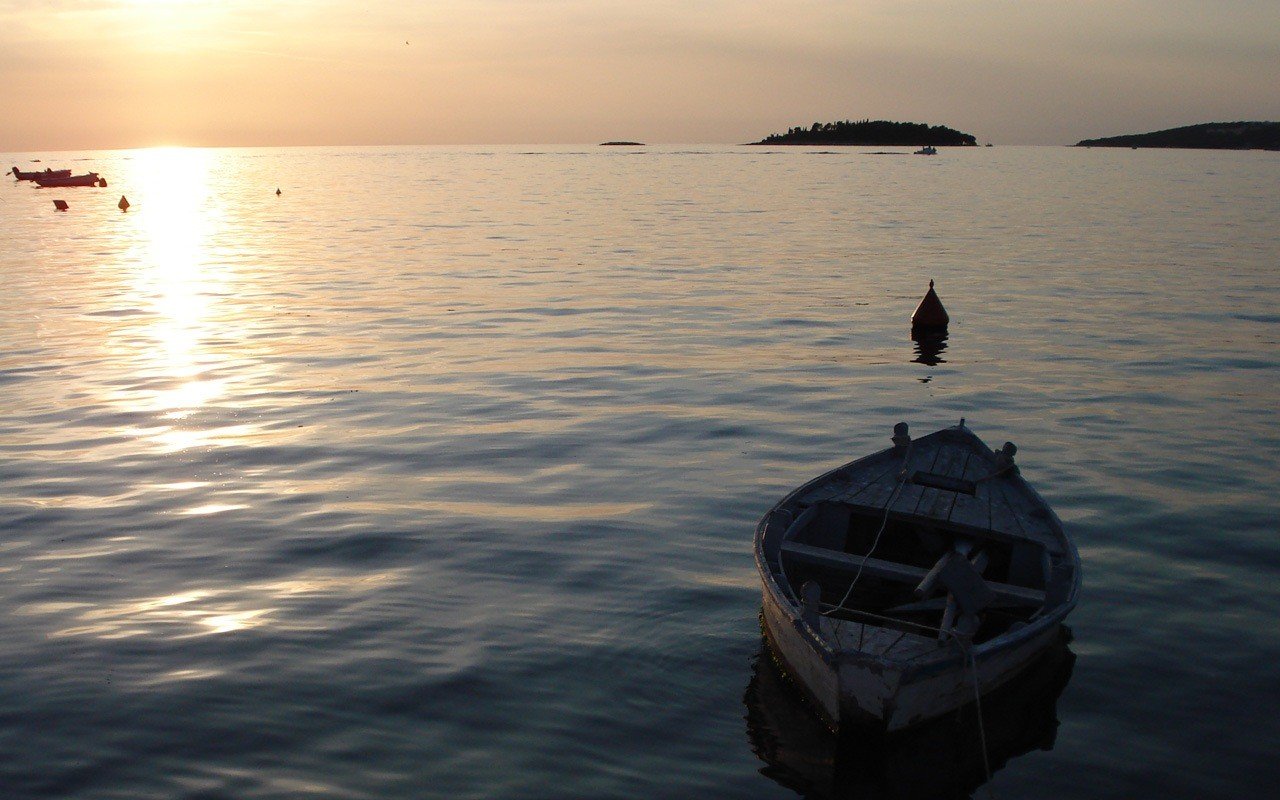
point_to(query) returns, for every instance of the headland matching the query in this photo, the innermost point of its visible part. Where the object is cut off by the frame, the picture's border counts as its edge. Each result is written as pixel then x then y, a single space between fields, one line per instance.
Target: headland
pixel 1206 136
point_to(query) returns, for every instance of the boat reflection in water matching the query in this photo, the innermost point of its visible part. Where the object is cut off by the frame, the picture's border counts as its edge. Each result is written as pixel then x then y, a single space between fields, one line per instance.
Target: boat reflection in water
pixel 929 347
pixel 941 758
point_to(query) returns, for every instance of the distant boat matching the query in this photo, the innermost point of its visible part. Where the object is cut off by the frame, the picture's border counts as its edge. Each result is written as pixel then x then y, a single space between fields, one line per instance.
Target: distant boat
pixel 927 150
pixel 88 179
pixel 44 173
pixel 899 585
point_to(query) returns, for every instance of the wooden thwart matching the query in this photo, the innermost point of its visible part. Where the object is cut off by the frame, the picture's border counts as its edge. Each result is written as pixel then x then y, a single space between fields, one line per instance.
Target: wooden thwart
pixel 899 573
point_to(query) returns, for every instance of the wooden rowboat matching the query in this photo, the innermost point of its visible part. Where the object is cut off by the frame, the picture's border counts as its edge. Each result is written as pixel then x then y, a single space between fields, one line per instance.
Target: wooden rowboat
pixel 88 179
pixel 901 586
pixel 42 173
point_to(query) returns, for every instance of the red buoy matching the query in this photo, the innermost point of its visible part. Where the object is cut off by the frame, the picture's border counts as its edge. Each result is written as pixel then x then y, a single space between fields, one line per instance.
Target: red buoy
pixel 61 205
pixel 929 314
pixel 123 205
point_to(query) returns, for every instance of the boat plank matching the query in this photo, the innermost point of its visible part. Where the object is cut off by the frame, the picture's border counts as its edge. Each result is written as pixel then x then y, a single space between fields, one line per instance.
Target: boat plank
pixel 1006 518
pixel 843 492
pixel 886 490
pixel 875 640
pixel 835 559
pixel 1031 514
pixel 909 497
pixel 936 503
pixel 975 510
pixel 892 570
pixel 875 495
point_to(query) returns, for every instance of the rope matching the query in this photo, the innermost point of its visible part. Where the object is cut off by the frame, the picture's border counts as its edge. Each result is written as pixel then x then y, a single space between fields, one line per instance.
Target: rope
pixel 884 523
pixel 880 617
pixel 967 649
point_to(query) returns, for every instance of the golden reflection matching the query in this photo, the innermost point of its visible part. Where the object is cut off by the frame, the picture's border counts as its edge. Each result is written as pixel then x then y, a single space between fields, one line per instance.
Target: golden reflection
pixel 175 182
pixel 211 508
pixel 176 280
pixel 207 612
pixel 228 623
pixel 545 512
pixel 176 675
pixel 180 486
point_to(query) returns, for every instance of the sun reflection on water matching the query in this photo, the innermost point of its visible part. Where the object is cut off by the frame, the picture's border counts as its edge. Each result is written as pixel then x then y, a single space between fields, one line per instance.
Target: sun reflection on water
pixel 207 611
pixel 179 284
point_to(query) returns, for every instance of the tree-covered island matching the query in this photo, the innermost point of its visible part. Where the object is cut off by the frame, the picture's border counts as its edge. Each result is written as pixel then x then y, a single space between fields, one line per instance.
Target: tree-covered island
pixel 877 133
pixel 1207 136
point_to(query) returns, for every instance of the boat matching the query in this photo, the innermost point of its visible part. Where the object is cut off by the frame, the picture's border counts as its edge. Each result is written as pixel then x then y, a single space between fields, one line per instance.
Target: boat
pixel 44 173
pixel 902 585
pixel 927 150
pixel 88 179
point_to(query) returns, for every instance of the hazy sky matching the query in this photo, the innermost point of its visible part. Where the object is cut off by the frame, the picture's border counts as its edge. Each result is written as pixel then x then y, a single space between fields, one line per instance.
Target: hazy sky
pixel 124 73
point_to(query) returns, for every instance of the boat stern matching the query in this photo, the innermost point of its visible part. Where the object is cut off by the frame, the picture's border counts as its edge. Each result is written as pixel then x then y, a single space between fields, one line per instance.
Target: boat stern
pixel 869 690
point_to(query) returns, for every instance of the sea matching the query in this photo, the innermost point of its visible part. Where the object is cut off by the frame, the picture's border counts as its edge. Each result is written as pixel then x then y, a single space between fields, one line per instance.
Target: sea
pixel 432 472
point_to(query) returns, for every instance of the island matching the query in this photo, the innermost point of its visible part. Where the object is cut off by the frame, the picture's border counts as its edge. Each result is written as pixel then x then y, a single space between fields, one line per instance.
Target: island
pixel 1208 136
pixel 876 133
pixel 622 144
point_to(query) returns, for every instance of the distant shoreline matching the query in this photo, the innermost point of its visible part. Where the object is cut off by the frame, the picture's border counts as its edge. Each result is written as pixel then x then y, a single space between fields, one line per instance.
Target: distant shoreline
pixel 1206 136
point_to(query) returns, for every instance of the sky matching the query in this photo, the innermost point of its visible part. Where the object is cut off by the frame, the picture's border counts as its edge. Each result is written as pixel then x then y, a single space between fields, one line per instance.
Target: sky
pixel 101 74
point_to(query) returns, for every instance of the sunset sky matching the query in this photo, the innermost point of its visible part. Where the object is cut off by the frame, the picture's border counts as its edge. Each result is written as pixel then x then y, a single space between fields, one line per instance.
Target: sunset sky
pixel 79 74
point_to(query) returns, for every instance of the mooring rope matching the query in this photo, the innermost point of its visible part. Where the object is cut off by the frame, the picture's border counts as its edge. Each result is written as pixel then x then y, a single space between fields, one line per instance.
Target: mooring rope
pixel 967 649
pixel 884 523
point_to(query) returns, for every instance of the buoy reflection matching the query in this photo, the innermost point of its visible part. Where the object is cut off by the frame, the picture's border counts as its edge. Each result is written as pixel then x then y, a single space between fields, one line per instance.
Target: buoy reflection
pixel 929 347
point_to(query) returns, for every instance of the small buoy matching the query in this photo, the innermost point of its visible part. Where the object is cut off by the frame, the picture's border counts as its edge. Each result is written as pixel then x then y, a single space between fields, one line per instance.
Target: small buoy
pixel 123 205
pixel 277 191
pixel 102 183
pixel 61 205
pixel 929 314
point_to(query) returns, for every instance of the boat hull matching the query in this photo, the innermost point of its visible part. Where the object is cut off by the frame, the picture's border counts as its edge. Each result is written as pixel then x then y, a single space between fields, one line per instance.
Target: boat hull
pixel 36 174
pixel 91 179
pixel 856 690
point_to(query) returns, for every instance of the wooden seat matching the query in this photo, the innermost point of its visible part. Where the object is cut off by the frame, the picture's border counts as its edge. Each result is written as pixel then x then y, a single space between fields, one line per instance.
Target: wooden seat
pixel 895 572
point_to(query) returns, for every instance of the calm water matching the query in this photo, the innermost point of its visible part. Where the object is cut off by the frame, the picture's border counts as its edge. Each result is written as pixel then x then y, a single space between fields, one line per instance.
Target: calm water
pixel 436 475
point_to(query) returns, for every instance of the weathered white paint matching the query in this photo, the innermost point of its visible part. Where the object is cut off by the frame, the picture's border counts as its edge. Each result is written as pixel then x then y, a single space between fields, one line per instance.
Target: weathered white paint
pixel 803 661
